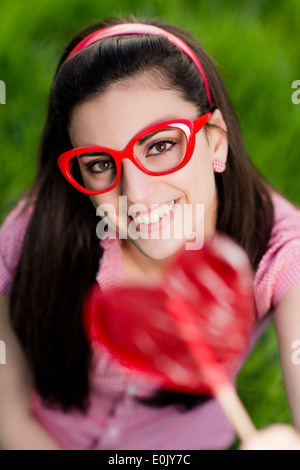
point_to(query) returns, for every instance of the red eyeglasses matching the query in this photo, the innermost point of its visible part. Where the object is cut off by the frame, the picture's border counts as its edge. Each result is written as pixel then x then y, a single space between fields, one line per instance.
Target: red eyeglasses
pixel 158 150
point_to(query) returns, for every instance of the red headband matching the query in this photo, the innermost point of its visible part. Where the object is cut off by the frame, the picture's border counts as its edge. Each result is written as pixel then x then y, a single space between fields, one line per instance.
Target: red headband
pixel 138 28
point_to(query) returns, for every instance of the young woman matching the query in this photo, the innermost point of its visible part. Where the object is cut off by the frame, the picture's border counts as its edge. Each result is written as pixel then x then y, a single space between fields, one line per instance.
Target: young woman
pixel 136 111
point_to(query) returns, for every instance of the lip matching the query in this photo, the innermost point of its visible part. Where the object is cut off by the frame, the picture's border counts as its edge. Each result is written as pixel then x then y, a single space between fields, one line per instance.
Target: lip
pixel 166 219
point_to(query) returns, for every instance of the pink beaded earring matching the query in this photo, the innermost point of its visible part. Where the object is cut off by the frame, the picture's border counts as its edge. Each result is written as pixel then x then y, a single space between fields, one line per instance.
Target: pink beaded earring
pixel 219 166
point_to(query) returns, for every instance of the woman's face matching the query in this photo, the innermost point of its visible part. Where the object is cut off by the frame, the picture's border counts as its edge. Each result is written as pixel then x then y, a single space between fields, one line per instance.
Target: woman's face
pixel 187 197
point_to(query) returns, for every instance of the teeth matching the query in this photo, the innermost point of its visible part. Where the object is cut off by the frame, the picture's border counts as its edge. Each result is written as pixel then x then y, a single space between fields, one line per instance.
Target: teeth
pixel 154 215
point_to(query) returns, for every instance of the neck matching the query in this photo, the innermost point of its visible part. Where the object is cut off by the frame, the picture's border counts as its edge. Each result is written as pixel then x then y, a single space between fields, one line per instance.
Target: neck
pixel 140 268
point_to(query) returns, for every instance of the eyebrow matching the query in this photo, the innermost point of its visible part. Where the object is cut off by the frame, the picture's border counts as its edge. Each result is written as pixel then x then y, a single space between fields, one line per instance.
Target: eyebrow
pixel 94 154
pixel 146 137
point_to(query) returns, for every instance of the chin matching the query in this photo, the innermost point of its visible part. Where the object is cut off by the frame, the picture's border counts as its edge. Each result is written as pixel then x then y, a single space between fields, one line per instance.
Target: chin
pixel 159 250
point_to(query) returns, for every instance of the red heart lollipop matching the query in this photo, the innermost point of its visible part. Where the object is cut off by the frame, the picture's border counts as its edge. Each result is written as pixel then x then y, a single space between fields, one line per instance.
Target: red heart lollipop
pixel 192 330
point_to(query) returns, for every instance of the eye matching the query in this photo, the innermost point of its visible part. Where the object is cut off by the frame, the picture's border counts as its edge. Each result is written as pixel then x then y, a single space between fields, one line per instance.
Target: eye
pixel 160 147
pixel 100 166
pixel 96 163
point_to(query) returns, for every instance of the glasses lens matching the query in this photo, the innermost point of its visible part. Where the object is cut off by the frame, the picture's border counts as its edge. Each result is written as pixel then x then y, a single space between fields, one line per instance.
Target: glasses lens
pixel 94 171
pixel 161 151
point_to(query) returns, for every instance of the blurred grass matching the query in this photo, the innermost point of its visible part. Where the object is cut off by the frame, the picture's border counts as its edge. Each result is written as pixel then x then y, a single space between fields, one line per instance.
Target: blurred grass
pixel 256 43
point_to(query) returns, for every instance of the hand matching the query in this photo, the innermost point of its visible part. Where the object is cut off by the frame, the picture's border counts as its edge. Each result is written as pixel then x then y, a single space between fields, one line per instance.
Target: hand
pixel 25 433
pixel 273 437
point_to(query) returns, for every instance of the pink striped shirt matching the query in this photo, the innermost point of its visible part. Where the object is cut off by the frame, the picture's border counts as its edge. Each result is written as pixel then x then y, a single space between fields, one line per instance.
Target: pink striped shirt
pixel 115 420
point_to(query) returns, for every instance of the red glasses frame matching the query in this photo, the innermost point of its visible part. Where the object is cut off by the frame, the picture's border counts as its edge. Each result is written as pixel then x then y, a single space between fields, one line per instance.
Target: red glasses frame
pixel 190 129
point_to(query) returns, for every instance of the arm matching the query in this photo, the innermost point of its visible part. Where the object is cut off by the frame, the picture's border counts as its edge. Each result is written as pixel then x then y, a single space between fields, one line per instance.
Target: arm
pixel 19 430
pixel 287 324
pixel 273 437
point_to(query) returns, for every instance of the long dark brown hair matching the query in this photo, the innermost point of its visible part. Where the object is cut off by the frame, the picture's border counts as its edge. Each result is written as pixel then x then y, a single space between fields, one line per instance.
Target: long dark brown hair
pixel 61 252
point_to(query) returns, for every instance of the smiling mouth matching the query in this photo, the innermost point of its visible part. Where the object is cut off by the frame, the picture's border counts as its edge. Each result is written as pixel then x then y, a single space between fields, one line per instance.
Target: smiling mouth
pixel 155 215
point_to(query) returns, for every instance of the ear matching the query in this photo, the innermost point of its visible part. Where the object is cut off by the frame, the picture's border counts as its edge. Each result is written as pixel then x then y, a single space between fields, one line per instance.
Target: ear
pixel 217 137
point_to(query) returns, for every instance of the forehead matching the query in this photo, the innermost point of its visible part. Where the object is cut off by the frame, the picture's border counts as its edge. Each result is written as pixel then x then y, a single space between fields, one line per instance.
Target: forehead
pixel 126 108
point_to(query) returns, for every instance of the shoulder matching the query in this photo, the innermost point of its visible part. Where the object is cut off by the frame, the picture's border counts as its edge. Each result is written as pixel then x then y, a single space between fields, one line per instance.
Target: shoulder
pixel 18 217
pixel 287 218
pixel 279 268
pixel 12 234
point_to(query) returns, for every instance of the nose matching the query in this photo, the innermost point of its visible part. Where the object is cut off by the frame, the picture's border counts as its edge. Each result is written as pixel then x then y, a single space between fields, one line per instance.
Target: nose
pixel 135 184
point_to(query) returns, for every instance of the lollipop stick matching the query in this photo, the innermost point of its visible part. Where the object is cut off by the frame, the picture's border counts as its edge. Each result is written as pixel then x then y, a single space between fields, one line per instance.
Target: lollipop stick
pixel 235 411
pixel 221 386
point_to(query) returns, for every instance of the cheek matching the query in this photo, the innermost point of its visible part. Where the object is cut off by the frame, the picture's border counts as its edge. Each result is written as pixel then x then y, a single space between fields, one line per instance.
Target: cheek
pixel 108 202
pixel 201 161
pixel 196 179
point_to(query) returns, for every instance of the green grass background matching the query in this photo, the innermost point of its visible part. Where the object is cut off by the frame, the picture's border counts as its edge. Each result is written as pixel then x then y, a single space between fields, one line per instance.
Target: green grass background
pixel 255 43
